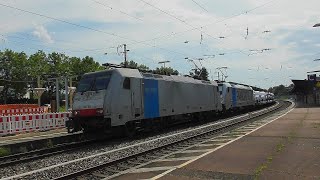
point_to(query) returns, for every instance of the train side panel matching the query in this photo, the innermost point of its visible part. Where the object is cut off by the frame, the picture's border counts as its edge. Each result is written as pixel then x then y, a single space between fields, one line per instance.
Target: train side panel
pixel 179 97
pixel 151 98
pixel 124 101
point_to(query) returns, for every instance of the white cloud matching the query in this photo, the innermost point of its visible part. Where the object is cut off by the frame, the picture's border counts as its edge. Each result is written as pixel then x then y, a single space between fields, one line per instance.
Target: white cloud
pixel 42 33
pixel 293 44
pixel 280 17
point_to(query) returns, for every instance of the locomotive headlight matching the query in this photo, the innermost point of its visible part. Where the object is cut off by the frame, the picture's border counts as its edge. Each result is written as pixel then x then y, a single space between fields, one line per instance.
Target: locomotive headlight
pixel 99 111
pixel 75 112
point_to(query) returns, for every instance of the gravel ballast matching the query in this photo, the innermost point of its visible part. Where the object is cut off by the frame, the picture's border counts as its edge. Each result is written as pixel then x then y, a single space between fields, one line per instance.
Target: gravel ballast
pixel 62 164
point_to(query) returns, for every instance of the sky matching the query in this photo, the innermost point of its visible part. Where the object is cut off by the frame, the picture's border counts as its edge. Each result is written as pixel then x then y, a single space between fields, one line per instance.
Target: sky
pixel 262 43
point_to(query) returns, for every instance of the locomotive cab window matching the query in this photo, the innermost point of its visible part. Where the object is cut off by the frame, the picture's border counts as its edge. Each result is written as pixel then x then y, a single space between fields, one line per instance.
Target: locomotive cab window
pixel 126 83
pixel 102 82
pixel 94 82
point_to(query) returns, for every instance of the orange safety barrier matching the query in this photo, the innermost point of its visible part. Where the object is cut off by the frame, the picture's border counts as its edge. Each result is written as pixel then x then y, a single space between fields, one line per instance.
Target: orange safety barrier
pixel 18 106
pixel 15 109
pixel 37 110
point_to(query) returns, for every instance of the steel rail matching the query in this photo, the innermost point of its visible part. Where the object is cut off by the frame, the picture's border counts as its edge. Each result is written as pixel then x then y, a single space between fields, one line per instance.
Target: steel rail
pixel 91 169
pixel 143 146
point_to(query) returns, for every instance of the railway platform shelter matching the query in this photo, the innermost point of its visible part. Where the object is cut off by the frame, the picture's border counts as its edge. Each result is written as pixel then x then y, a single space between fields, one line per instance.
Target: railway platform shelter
pixel 307 92
pixel 286 148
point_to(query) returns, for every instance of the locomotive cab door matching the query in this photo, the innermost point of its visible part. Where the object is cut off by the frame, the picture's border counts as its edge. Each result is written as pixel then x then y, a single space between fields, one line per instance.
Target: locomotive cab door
pixel 136 98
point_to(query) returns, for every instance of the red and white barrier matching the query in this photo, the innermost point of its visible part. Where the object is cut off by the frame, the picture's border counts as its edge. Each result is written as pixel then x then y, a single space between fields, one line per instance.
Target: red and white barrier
pixel 32 122
pixel 8 112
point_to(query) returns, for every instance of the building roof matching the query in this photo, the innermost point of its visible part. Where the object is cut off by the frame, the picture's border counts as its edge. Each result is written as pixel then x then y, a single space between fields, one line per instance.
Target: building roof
pixel 303 86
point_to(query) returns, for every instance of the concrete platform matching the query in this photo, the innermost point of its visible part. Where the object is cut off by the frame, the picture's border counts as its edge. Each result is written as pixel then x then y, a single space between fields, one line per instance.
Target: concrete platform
pixel 27 136
pixel 30 141
pixel 287 148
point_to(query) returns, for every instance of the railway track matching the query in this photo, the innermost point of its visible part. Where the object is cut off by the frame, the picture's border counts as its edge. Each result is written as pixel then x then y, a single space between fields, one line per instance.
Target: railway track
pixel 59 148
pixel 137 157
pixel 41 153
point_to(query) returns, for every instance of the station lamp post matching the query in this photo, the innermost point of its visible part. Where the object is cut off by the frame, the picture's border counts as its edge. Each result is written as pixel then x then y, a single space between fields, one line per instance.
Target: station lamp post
pixel 71 92
pixel 39 92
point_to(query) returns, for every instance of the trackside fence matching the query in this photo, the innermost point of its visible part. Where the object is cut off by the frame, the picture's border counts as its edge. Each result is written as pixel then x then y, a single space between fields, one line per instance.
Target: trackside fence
pixel 15 124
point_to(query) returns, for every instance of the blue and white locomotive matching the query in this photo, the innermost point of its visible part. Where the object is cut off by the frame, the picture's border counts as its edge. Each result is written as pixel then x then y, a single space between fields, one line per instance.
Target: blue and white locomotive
pixel 235 97
pixel 130 100
pixel 127 100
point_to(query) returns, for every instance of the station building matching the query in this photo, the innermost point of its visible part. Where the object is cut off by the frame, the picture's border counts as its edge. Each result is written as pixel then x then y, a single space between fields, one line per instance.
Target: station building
pixel 307 92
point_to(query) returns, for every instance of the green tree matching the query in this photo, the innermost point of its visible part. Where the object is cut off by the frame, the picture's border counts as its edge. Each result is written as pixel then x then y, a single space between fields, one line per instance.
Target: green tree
pixel 38 66
pixel 58 64
pixel 143 68
pixel 75 66
pixel 78 67
pixel 281 90
pixel 204 74
pixel 90 65
pixel 20 75
pixel 201 74
pixel 165 71
pixel 131 64
pixel 134 65
pixel 13 74
pixel 18 72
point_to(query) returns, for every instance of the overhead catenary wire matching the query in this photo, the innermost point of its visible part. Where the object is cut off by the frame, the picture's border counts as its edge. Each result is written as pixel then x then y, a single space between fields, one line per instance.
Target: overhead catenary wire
pixel 250 33
pixel 28 36
pixel 52 47
pixel 200 28
pixel 179 19
pixel 169 14
pixel 62 21
pixel 216 22
pixel 112 8
pixel 200 5
pixel 136 42
pixel 82 26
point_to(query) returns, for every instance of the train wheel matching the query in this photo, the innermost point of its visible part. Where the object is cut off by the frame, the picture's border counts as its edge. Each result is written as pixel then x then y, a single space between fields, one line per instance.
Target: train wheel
pixel 130 129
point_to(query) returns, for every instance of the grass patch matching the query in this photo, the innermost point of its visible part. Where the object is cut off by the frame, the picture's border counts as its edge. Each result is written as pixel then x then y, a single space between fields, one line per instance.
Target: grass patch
pixel 316 125
pixel 280 147
pixel 261 168
pixel 265 165
pixel 62 109
pixel 4 151
pixel 270 159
